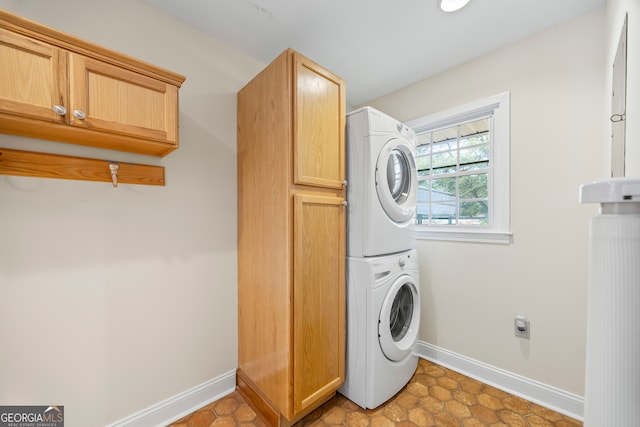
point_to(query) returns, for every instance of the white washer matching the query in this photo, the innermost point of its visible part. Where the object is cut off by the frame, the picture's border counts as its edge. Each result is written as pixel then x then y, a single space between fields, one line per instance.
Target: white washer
pixel 382 184
pixel 383 316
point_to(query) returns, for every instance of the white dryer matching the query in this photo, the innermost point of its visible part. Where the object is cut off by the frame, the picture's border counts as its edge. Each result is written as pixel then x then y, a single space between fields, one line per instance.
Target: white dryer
pixel 383 315
pixel 382 184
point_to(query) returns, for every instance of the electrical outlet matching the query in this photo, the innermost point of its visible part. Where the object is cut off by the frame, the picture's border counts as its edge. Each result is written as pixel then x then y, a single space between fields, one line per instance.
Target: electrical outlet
pixel 522 327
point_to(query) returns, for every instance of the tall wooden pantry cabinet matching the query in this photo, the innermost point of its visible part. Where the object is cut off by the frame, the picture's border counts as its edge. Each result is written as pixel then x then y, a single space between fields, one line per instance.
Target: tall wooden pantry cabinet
pixel 291 238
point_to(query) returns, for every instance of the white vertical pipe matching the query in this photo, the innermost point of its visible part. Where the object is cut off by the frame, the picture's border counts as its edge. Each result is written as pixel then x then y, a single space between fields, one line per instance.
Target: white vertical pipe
pixel 612 388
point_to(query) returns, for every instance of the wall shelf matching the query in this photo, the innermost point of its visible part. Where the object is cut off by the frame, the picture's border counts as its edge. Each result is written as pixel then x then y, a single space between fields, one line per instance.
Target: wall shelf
pixel 44 165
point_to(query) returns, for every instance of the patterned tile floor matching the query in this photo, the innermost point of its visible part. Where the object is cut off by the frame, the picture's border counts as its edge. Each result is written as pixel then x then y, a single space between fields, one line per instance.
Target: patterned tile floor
pixel 435 396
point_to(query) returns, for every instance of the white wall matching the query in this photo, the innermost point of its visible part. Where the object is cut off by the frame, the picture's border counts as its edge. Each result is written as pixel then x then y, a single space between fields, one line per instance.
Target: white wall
pixel 114 299
pixel 616 10
pixel 558 119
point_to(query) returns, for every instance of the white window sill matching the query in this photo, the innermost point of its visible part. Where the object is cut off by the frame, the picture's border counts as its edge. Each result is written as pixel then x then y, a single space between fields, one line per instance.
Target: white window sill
pixel 476 236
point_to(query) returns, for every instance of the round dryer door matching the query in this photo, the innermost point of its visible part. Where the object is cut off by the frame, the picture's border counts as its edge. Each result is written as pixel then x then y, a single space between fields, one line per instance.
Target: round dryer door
pixel 397 180
pixel 399 319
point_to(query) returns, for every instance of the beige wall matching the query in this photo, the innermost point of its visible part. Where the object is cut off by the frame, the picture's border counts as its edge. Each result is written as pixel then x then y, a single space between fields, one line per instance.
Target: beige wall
pixel 616 10
pixel 557 125
pixel 114 299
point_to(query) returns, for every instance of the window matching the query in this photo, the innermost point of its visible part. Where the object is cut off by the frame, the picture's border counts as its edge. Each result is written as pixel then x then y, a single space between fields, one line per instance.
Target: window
pixel 453 174
pixel 462 158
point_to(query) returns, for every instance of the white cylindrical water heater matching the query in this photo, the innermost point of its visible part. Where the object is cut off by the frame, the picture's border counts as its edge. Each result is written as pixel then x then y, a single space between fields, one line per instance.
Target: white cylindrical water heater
pixel 612 377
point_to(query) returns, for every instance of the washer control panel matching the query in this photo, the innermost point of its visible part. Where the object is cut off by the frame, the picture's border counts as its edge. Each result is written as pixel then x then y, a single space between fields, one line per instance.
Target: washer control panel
pixel 408 261
pixel 385 265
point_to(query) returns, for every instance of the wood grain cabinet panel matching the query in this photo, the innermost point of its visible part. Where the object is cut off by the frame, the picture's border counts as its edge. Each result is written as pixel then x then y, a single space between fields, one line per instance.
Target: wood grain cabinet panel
pixel 291 238
pixel 120 101
pixel 319 160
pixel 318 290
pixel 57 87
pixel 32 77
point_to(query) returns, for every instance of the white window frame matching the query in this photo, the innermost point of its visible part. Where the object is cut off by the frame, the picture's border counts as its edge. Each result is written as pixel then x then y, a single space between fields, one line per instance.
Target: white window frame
pixel 497 106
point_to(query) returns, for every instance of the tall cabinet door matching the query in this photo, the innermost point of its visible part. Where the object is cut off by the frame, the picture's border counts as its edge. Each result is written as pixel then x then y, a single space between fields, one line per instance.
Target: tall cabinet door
pixel 319 125
pixel 319 297
pixel 32 78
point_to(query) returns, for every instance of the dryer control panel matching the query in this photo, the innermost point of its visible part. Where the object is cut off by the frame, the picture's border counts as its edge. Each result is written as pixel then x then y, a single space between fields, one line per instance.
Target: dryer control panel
pixel 370 120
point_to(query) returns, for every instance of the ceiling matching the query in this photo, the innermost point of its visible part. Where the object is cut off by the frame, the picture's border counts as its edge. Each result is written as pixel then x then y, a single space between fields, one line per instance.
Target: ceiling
pixel 377 46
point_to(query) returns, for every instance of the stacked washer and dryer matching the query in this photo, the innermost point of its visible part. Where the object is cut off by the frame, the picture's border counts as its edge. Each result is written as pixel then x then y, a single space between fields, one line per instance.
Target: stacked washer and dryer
pixel 383 299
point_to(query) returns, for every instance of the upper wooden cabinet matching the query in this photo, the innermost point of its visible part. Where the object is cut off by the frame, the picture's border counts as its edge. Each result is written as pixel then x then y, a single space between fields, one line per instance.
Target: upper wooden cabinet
pixel 291 238
pixel 57 87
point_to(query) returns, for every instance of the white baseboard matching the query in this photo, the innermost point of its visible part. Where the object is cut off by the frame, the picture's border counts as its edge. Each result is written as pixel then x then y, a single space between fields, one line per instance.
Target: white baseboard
pixel 550 397
pixel 174 408
pixel 180 405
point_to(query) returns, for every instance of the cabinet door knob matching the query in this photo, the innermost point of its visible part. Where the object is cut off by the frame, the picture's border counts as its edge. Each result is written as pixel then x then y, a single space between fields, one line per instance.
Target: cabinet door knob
pixel 79 114
pixel 59 110
pixel 344 183
pixel 344 203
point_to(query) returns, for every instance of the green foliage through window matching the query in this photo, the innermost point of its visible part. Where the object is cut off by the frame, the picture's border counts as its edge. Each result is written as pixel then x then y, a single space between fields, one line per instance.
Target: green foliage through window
pixel 454 167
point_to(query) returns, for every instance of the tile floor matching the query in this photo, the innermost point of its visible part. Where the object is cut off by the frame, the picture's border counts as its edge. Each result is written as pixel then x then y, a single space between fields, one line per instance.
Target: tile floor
pixel 435 396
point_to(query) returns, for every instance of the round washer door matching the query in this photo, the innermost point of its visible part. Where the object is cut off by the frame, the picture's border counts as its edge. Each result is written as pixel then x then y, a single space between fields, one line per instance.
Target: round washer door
pixel 397 180
pixel 399 319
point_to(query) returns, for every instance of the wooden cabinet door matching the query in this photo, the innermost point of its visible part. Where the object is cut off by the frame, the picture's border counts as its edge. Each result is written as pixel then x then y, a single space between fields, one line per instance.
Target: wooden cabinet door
pixel 32 78
pixel 319 298
pixel 121 101
pixel 319 125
